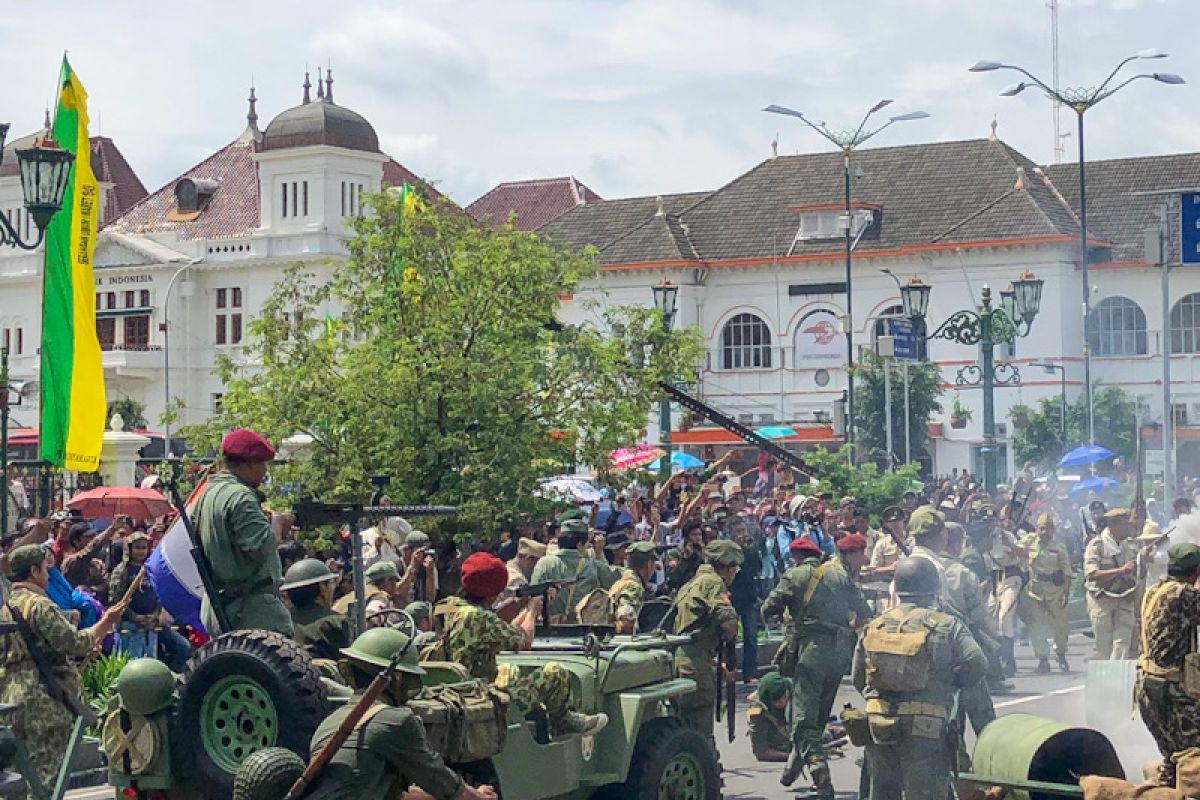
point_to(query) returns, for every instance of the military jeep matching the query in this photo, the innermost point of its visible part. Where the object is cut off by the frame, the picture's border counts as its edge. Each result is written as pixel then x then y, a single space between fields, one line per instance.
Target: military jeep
pixel 251 690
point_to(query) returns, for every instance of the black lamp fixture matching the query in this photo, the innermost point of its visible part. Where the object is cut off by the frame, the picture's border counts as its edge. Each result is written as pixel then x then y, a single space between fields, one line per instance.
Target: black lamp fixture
pixel 666 297
pixel 914 296
pixel 1028 289
pixel 45 169
pixel 1008 302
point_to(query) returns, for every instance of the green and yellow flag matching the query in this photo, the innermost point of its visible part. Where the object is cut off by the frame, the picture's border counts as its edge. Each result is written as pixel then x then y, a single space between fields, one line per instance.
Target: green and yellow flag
pixel 72 378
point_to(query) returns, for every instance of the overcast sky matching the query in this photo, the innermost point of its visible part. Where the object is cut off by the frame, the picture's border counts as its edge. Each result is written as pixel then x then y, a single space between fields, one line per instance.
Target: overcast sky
pixel 630 96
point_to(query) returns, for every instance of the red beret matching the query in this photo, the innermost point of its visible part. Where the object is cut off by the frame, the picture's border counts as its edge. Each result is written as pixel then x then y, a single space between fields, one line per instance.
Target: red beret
pixel 803 544
pixel 484 575
pixel 852 541
pixel 244 444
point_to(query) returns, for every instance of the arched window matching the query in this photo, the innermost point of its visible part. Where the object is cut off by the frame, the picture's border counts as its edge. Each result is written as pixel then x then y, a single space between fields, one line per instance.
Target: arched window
pixel 1118 328
pixel 1185 325
pixel 745 343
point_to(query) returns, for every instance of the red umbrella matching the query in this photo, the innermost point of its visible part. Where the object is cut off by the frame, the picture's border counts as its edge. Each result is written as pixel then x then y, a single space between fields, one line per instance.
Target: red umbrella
pixel 106 502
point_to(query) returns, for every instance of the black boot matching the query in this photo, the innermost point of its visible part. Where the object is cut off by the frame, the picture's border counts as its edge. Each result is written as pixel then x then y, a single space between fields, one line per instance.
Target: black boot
pixel 1008 657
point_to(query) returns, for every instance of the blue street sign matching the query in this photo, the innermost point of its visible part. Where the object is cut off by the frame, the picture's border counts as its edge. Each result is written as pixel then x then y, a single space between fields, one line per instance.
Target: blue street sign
pixel 1189 228
pixel 904 335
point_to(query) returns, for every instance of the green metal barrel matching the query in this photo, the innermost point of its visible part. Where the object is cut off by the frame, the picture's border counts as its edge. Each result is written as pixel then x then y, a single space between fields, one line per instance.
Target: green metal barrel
pixel 1024 747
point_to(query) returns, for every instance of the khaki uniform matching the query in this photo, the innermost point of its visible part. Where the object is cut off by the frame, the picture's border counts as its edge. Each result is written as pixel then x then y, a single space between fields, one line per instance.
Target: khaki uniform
pixel 1113 609
pixel 1044 605
pixel 238 542
pixel 589 574
pixel 1009 578
pixel 1170 614
pixel 387 755
pixel 824 602
pixel 516 580
pixel 43 724
pixel 703 608
pixel 908 755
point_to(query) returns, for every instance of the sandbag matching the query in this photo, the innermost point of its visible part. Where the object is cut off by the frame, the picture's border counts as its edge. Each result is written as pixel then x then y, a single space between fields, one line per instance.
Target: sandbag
pixel 463 721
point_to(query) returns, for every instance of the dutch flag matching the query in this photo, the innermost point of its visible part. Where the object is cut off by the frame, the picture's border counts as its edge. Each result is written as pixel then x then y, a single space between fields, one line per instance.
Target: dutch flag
pixel 172 570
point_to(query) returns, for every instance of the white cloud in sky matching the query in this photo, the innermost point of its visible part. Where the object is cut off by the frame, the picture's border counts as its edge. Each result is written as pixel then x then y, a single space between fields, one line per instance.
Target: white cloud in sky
pixel 630 96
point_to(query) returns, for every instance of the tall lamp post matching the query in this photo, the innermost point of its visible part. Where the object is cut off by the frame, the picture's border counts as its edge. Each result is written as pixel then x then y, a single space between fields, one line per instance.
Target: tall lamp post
pixel 848 142
pixel 45 169
pixel 666 296
pixel 986 328
pixel 1079 101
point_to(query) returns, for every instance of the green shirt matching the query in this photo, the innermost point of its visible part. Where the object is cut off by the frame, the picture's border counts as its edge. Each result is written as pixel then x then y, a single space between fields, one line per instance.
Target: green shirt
pixel 703 609
pixel 240 547
pixel 589 574
pixel 836 602
pixel 390 750
pixel 961 593
pixel 322 632
pixel 769 729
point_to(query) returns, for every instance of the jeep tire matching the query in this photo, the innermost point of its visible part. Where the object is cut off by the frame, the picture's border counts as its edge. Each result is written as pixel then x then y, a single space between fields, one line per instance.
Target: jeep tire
pixel 671 759
pixel 243 692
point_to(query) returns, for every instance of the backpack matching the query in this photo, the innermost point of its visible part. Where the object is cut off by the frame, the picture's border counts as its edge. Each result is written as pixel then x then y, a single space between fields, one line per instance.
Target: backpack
pixel 897 651
pixel 595 608
pixel 464 722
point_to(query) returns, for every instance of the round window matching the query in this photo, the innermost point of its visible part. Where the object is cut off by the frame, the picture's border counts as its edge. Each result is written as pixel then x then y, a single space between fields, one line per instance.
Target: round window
pixel 821 376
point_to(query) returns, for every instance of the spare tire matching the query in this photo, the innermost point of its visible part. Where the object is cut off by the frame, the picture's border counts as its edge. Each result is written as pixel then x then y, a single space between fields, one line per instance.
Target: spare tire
pixel 267 775
pixel 241 693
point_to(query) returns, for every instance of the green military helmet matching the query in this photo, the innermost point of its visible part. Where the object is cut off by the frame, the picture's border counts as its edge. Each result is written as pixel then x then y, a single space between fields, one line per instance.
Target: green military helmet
pixel 306 572
pixel 378 646
pixel 145 686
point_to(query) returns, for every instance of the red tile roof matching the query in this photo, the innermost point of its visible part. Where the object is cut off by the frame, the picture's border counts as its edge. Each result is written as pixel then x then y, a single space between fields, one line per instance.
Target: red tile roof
pixel 535 202
pixel 109 166
pixel 233 210
pixel 396 174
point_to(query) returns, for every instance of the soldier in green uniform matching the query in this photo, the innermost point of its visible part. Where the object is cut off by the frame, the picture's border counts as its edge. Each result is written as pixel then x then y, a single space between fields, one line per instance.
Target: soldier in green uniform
pixel 1045 602
pixel 572 562
pixel 237 539
pixel 766 719
pixel 909 697
pixel 42 723
pixel 309 585
pixel 826 607
pixel 704 612
pixel 1170 614
pixel 628 594
pixel 474 635
pixel 388 752
pixel 422 617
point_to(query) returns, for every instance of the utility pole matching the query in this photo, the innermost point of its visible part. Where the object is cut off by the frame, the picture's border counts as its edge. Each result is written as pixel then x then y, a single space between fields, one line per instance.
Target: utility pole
pixel 907 417
pixel 1168 426
pixel 887 349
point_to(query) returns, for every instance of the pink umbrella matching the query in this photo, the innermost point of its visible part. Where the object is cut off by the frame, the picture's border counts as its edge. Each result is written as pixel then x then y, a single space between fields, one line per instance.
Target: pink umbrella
pixel 106 502
pixel 634 457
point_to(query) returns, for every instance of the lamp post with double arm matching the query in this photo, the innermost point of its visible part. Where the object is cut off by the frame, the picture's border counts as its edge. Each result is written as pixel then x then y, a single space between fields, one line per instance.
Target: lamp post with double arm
pixel 666 296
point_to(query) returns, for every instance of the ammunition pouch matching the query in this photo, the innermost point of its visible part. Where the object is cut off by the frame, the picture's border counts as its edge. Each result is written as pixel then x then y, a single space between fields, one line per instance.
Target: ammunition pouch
pixel 856 725
pixel 464 722
pixel 787 657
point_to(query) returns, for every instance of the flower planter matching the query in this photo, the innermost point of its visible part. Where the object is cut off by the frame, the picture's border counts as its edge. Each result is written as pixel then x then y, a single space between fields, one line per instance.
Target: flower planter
pixel 1020 420
pixel 958 423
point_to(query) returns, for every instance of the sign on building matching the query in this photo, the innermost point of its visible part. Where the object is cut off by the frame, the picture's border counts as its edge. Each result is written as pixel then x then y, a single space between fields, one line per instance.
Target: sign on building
pixel 1156 463
pixel 819 340
pixel 907 341
pixel 1189 228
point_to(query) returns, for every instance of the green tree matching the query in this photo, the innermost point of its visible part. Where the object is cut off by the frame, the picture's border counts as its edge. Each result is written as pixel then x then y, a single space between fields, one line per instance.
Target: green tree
pixel 870 420
pixel 1116 427
pixel 447 370
pixel 133 413
pixel 873 489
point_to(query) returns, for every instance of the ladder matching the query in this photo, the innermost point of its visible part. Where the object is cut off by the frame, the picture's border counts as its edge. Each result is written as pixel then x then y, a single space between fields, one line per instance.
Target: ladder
pixel 747 435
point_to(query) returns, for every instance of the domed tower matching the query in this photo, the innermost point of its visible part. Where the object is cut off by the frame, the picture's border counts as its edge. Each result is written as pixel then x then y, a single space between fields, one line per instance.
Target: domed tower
pixel 315 162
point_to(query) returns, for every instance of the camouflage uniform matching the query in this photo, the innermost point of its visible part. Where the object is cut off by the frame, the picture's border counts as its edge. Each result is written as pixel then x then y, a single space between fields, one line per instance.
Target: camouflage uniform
pixel 824 645
pixel 703 608
pixel 589 574
pixel 237 539
pixel 43 724
pixel 1170 614
pixel 474 636
pixel 1045 602
pixel 628 595
pixel 909 757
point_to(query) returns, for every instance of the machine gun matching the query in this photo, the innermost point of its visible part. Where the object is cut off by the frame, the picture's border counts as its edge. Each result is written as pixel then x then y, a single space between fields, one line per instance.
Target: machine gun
pixel 542 590
pixel 727 657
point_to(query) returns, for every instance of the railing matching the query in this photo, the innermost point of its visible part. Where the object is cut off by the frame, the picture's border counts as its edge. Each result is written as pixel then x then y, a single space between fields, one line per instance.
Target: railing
pixel 130 348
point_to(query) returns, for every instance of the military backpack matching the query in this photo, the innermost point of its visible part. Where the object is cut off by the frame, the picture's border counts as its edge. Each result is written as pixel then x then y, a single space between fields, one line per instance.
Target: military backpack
pixel 897 650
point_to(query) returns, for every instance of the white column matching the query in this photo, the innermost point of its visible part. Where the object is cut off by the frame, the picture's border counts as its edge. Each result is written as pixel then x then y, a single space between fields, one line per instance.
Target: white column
pixel 119 454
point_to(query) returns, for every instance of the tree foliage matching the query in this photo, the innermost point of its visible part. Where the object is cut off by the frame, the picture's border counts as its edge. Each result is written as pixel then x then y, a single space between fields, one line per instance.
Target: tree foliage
pixel 870 414
pixel 873 489
pixel 1115 419
pixel 133 413
pixel 432 356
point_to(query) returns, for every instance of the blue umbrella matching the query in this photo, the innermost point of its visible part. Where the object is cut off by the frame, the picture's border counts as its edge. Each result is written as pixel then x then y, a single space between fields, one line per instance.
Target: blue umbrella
pixel 1088 454
pixel 1095 483
pixel 776 432
pixel 679 460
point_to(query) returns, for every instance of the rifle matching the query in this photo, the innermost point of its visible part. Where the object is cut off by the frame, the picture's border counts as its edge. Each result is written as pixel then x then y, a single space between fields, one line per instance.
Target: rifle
pixel 1139 492
pixel 50 682
pixel 329 750
pixel 216 596
pixel 541 590
pixel 727 656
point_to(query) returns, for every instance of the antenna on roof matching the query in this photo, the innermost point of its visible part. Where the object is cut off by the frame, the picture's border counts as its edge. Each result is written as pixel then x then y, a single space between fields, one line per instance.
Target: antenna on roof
pixel 329 84
pixel 307 85
pixel 320 85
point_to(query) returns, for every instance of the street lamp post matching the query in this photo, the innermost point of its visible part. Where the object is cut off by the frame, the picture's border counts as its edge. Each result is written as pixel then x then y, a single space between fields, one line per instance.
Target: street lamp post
pixel 666 295
pixel 847 142
pixel 1080 100
pixel 985 328
pixel 45 168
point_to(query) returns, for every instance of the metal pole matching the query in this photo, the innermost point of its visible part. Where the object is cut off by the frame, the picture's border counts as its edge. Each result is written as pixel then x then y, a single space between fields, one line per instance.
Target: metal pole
pixel 849 313
pixel 1062 402
pixel 907 417
pixel 1168 427
pixel 166 329
pixel 887 405
pixel 1083 262
pixel 359 621
pixel 989 411
pixel 664 421
pixel 4 494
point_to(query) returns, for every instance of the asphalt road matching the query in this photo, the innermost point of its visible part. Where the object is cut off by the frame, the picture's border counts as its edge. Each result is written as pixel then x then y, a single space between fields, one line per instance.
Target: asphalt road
pixel 1072 698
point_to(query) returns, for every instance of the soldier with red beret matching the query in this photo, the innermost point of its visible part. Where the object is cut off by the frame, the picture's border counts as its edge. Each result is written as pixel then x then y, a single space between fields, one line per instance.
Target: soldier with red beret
pixel 237 539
